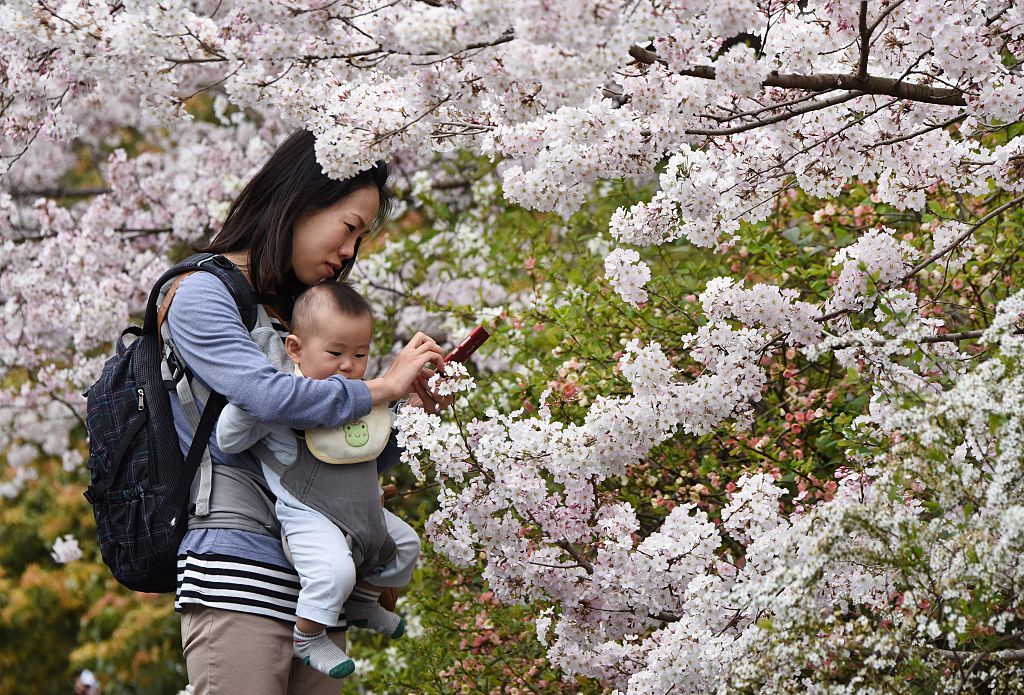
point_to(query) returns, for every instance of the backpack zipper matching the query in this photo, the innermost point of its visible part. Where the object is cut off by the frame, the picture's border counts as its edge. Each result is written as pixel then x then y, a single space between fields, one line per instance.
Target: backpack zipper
pixel 142 399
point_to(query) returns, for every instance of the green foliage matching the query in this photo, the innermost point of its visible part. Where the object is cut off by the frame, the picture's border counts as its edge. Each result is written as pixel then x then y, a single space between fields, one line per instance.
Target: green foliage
pixel 58 619
pixel 460 639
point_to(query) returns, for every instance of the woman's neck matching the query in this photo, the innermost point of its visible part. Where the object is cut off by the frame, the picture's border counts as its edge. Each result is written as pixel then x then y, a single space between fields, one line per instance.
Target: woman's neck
pixel 241 259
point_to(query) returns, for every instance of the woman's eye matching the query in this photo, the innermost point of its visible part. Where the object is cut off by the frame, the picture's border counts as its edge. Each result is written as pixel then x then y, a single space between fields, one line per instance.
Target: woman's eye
pixel 351 229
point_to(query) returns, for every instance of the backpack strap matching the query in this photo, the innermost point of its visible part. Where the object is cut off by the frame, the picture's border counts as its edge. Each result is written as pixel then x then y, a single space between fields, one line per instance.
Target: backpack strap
pixel 198 458
pixel 165 307
pixel 228 273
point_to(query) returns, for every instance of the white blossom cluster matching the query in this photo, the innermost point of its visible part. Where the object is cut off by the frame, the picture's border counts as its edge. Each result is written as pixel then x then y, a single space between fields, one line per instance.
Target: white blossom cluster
pixel 533 85
pixel 876 260
pixel 628 275
pixel 762 305
pixel 66 549
pixel 674 604
pixel 451 379
pixel 71 277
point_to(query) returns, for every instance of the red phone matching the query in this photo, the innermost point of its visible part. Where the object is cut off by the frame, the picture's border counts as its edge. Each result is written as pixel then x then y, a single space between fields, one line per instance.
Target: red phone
pixel 468 346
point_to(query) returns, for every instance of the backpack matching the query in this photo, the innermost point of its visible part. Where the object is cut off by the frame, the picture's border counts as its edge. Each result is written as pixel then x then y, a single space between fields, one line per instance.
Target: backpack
pixel 140 481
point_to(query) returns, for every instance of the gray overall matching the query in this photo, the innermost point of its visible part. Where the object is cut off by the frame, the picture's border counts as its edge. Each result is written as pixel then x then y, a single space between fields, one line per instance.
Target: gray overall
pixel 348 495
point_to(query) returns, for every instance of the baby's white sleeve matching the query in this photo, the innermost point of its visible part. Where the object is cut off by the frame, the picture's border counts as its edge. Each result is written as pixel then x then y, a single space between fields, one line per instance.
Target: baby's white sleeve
pixel 237 430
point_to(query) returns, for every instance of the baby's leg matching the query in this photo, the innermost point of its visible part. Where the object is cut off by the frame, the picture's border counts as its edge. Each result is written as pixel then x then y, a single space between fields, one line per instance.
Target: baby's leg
pixel 323 560
pixel 398 572
pixel 363 608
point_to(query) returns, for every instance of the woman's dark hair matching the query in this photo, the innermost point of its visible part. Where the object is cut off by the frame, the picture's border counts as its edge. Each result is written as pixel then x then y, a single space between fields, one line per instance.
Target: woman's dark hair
pixel 261 218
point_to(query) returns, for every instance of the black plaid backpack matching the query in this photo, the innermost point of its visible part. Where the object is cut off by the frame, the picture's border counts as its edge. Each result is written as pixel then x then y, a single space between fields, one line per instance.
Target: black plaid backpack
pixel 140 480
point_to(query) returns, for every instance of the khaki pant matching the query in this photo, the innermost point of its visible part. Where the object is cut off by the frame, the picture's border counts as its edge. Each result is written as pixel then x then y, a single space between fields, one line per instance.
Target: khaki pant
pixel 232 653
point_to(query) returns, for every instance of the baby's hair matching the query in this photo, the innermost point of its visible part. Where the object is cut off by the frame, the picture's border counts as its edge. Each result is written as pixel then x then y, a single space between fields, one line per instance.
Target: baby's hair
pixel 340 297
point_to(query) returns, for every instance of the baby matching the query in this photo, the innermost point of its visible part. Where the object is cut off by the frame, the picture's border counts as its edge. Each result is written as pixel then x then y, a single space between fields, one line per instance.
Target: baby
pixel 330 513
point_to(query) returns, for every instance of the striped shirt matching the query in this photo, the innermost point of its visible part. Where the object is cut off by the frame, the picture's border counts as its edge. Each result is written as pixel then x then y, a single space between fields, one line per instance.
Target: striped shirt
pixel 236 584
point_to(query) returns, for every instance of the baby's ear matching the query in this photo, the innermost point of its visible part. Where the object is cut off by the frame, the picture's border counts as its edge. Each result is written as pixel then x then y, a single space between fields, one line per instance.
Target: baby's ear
pixel 293 346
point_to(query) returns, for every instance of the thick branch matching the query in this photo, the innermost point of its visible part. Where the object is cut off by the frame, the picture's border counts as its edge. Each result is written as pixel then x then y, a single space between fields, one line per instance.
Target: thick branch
pixel 869 84
pixel 951 337
pixel 577 556
pixel 865 40
pixel 59 192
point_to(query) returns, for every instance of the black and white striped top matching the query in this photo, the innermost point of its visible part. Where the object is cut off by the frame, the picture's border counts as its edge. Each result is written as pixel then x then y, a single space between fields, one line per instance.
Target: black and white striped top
pixel 236 582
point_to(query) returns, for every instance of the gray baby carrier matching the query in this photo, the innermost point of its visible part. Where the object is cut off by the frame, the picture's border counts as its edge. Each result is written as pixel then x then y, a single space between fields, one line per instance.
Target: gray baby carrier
pixel 226 497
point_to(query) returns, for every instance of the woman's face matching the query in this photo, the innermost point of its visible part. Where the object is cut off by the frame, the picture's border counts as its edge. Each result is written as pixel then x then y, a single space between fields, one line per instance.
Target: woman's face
pixel 322 240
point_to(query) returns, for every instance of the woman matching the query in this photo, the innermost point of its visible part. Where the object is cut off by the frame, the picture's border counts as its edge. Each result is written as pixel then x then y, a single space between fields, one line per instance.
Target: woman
pixel 291 227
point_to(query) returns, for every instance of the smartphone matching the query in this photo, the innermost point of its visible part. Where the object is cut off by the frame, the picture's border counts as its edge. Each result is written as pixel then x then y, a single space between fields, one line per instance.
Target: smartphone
pixel 468 346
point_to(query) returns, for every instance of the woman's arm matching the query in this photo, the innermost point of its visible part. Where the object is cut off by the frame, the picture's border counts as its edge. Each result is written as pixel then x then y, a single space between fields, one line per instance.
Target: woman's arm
pixel 210 338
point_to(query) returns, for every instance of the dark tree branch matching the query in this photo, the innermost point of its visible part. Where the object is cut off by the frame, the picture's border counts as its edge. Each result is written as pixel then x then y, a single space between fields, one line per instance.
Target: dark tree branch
pixel 59 192
pixel 960 239
pixel 1002 655
pixel 576 555
pixel 769 107
pixel 955 337
pixel 885 13
pixel 785 115
pixel 922 131
pixel 865 40
pixel 504 38
pixel 869 84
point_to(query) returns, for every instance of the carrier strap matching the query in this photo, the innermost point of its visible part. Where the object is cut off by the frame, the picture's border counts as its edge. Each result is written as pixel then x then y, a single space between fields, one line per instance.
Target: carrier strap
pixel 197 450
pixel 205 479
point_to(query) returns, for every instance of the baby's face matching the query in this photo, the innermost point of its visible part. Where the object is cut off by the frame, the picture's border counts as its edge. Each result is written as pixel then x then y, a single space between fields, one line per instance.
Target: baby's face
pixel 340 344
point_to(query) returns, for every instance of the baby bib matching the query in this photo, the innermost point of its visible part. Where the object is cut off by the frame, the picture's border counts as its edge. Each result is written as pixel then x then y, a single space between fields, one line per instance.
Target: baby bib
pixel 359 440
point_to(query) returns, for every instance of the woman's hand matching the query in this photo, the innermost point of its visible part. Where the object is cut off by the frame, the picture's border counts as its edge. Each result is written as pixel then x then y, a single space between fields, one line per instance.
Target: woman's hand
pixel 406 370
pixel 422 397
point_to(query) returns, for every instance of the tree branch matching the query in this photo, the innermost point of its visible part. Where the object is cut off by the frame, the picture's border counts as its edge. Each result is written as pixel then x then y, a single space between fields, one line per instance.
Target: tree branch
pixel 1003 655
pixel 885 13
pixel 922 131
pixel 960 239
pixel 770 107
pixel 786 115
pixel 59 192
pixel 865 40
pixel 576 555
pixel 931 259
pixel 869 84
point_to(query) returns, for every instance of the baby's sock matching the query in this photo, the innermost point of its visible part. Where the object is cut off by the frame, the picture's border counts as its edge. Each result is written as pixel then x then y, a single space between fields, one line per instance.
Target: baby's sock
pixel 321 653
pixel 362 610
